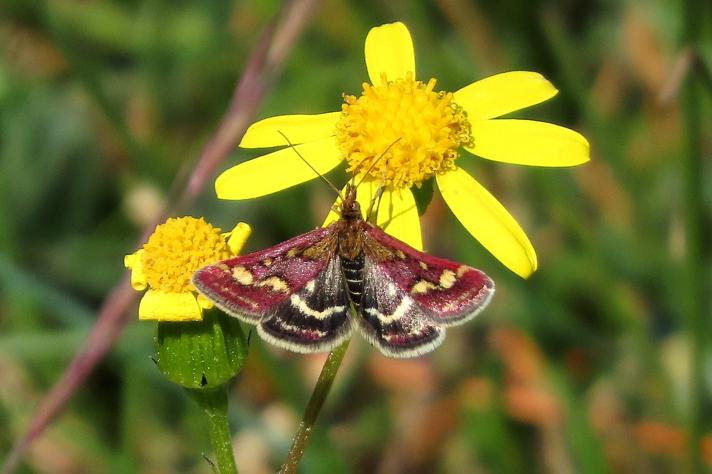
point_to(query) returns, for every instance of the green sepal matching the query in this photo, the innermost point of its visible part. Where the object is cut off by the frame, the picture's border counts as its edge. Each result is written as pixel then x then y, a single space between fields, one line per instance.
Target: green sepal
pixel 201 354
pixel 423 195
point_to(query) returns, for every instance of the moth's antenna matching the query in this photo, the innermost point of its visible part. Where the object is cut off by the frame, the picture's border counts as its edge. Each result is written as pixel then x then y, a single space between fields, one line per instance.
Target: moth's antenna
pixel 338 192
pixel 377 160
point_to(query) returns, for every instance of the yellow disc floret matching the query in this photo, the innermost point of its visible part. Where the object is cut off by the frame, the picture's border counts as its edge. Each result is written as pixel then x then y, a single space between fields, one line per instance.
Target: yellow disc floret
pixel 177 249
pixel 416 129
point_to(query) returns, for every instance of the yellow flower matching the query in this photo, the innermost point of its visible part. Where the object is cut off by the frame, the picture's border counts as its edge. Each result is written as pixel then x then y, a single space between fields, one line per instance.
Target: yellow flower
pixel 168 260
pixel 420 132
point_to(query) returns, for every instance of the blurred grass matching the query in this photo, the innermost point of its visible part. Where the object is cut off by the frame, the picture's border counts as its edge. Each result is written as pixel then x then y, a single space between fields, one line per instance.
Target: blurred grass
pixel 583 368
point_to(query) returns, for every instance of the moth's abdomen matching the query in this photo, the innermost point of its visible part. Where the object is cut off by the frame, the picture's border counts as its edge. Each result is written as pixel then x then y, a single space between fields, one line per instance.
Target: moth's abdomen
pixel 353 271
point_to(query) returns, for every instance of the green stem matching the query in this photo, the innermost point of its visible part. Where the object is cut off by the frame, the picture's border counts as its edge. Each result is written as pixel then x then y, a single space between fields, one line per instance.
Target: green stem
pixel 321 390
pixel 214 404
pixel 693 12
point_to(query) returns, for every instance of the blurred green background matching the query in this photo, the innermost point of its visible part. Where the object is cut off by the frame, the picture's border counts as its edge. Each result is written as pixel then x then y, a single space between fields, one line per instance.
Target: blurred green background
pixel 583 368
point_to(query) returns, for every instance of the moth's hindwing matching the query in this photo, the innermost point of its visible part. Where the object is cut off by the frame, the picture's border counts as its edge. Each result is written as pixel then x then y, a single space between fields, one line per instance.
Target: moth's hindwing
pixel 391 320
pixel 314 319
pixel 448 293
pixel 410 297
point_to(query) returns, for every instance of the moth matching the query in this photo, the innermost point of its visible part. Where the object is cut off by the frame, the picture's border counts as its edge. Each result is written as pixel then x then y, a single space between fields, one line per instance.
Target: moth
pixel 309 293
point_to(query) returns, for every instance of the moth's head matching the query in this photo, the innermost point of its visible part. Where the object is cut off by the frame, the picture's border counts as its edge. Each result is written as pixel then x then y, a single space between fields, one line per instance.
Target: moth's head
pixel 350 208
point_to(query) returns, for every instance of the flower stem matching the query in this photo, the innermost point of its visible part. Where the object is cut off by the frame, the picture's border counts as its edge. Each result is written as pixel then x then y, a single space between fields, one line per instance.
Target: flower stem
pixel 214 404
pixel 692 13
pixel 321 390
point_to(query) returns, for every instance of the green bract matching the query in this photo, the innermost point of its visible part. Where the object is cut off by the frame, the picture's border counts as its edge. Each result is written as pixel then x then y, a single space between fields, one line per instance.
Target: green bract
pixel 201 354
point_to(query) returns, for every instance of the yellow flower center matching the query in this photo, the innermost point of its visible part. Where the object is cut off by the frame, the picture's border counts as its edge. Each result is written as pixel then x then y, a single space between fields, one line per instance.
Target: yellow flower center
pixel 177 249
pixel 416 129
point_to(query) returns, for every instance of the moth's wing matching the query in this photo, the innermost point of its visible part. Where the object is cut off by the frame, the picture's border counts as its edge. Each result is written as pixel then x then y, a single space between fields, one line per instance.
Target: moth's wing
pixel 314 319
pixel 391 320
pixel 293 291
pixel 252 286
pixel 447 292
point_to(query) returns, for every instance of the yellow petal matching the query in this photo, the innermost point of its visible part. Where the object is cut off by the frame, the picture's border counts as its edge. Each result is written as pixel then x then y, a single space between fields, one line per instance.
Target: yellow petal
pixel 526 142
pixel 488 221
pixel 389 50
pixel 130 260
pixel 364 195
pixel 203 302
pixel 237 237
pixel 297 128
pixel 138 278
pixel 278 170
pixel 167 306
pixel 503 93
pixel 398 216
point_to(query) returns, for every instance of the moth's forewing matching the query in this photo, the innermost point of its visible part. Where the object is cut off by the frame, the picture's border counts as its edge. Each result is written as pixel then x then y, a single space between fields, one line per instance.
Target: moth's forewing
pixel 252 286
pixel 449 293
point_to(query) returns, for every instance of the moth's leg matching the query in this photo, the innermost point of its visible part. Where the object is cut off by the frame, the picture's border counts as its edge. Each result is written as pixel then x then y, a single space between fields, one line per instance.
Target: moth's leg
pixel 376 198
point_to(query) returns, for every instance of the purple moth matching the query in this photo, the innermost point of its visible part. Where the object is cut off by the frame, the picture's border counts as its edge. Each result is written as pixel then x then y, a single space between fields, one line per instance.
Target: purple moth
pixel 309 293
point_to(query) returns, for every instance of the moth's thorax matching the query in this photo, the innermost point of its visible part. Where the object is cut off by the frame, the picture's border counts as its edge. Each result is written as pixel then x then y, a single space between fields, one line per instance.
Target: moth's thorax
pixel 351 238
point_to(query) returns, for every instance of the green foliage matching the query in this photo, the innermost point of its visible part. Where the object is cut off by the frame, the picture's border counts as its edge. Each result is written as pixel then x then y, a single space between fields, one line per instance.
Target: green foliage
pixel 582 368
